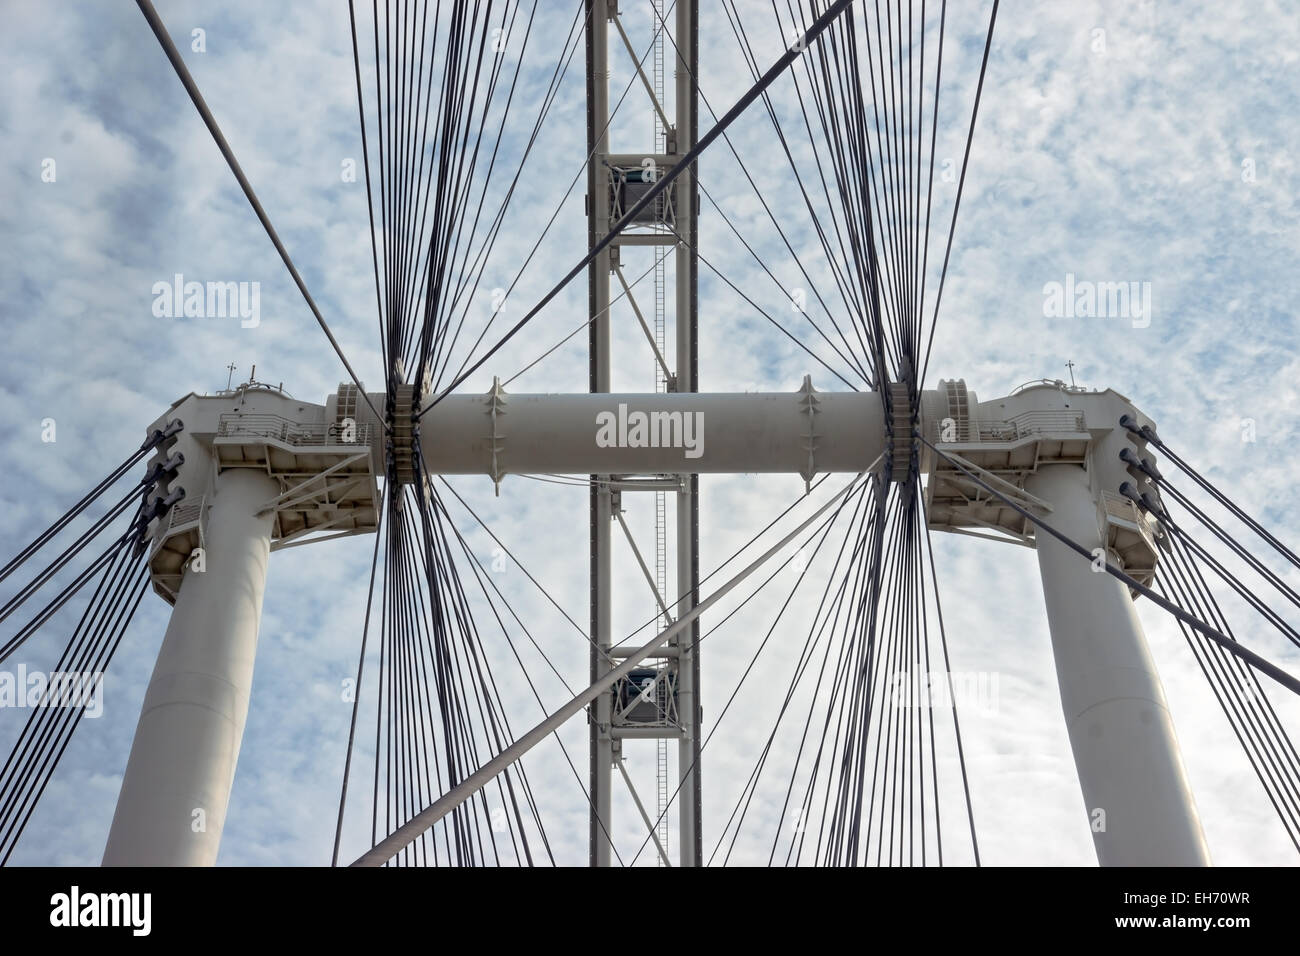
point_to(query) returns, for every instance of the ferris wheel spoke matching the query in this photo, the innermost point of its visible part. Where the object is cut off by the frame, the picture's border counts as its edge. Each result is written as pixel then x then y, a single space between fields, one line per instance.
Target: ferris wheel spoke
pixel 430 177
pixel 661 184
pixel 849 359
pixel 861 569
pixel 764 313
pixel 856 674
pixel 961 182
pixel 870 194
pixel 464 289
pixel 890 145
pixel 509 289
pixel 876 624
pixel 847 294
pixel 484 578
pixel 519 564
pixel 815 539
pixel 370 206
pixel 947 668
pixel 651 621
pixel 438 705
pixel 446 239
pixel 626 294
pixel 834 208
pixel 834 617
pixel 801 663
pixel 929 179
pixel 471 651
pixel 450 801
pixel 361 663
pixel 766 97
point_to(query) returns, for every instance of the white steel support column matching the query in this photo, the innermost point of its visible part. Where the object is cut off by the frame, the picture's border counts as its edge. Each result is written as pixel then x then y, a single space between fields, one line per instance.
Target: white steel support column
pixel 172 806
pixel 602 753
pixel 1130 769
pixel 600 29
pixel 603 33
pixel 686 64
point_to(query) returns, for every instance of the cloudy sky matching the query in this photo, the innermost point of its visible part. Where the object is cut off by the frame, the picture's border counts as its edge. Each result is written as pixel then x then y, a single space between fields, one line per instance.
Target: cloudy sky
pixel 1145 142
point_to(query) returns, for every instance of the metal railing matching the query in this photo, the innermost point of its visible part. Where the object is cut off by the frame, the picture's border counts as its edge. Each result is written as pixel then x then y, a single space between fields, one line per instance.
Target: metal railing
pixel 279 428
pixel 1032 423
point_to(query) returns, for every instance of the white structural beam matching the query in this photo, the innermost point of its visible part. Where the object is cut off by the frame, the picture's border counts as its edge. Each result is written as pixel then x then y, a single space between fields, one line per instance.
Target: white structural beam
pixel 653 434
pixel 172 806
pixel 686 67
pixel 1134 784
pixel 601 755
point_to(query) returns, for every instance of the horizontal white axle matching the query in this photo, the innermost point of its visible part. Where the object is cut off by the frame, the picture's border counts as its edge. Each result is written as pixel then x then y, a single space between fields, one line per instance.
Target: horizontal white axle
pixel 803 433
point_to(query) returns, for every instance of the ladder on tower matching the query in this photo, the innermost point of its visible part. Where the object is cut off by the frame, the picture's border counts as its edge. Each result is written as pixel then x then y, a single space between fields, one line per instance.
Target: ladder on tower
pixel 661 385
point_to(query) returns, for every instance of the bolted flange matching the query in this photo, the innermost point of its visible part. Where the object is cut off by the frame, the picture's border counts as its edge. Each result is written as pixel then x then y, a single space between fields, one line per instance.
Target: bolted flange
pixel 401 437
pixel 901 442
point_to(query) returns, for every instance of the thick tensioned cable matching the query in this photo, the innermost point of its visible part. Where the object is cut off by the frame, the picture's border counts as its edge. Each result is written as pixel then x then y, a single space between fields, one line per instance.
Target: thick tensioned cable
pixel 182 71
pixel 1238 694
pixel 49 729
pixel 1222 499
pixel 1289 681
pixel 1236 547
pixel 67 517
pixel 65 595
pixel 21 767
pixel 67 554
pixel 1234 582
pixel 361 663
